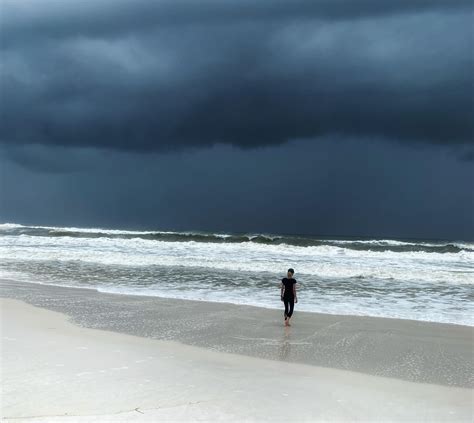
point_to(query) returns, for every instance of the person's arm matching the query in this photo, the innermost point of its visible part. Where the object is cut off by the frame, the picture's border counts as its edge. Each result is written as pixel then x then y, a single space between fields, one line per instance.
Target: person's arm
pixel 294 292
pixel 282 290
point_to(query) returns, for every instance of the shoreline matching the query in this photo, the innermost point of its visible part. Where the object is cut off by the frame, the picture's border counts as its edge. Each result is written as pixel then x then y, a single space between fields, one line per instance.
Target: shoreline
pixel 261 307
pixel 424 352
pixel 53 370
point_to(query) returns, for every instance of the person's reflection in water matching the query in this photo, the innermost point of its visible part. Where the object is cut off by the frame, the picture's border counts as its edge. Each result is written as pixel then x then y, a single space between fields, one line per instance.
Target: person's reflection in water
pixel 285 347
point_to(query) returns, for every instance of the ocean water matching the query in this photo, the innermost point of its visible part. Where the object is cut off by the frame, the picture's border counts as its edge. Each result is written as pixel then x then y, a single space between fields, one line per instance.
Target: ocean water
pixel 418 280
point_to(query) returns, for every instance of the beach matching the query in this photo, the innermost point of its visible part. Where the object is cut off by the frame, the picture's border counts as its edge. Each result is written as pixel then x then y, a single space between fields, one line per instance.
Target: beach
pixel 77 354
pixel 236 211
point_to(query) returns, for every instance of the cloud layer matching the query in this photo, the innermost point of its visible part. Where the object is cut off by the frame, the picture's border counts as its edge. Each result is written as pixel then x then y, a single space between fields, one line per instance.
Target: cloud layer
pixel 169 75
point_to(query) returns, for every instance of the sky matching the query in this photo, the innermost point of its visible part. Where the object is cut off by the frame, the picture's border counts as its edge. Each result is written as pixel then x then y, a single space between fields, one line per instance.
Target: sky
pixel 323 117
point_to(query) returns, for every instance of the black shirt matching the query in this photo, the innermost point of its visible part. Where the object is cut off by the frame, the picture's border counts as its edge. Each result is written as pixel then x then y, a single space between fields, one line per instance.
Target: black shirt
pixel 288 283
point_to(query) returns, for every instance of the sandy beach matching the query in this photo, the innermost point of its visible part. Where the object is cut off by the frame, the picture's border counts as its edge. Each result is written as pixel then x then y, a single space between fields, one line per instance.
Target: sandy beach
pixel 79 355
pixel 236 211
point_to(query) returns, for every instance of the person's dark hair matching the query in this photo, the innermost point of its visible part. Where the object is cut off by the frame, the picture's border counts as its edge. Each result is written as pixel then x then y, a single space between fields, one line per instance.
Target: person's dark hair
pixel 291 271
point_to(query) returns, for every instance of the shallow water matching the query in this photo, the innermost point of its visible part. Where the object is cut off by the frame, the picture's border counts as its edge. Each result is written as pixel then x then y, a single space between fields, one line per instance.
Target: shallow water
pixel 411 279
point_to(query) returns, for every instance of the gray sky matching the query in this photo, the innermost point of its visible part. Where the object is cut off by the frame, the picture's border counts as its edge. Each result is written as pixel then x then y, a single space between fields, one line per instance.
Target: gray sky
pixel 320 117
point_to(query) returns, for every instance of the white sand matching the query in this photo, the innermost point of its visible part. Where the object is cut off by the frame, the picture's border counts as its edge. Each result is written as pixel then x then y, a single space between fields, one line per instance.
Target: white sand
pixel 52 370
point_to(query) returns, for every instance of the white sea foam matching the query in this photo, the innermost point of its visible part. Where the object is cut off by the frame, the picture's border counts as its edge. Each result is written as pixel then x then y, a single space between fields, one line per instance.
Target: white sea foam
pixel 324 261
pixel 65 230
pixel 399 309
pixel 413 284
pixel 84 230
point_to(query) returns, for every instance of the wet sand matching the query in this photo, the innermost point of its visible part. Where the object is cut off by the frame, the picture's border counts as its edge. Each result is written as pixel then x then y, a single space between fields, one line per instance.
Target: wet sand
pixel 405 349
pixel 125 357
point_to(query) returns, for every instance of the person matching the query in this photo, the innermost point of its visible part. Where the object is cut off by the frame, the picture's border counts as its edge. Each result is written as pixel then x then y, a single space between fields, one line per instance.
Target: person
pixel 288 295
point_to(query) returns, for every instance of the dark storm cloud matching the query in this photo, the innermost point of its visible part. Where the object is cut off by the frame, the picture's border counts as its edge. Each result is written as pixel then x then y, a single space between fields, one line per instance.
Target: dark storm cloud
pixel 352 188
pixel 52 160
pixel 56 18
pixel 160 76
pixel 467 157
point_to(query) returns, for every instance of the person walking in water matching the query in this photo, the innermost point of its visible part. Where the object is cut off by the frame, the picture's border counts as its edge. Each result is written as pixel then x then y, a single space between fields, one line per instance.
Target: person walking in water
pixel 288 295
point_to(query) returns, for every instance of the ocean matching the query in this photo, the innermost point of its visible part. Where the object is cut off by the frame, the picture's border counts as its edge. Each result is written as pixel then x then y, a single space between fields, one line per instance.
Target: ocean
pixel 410 279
